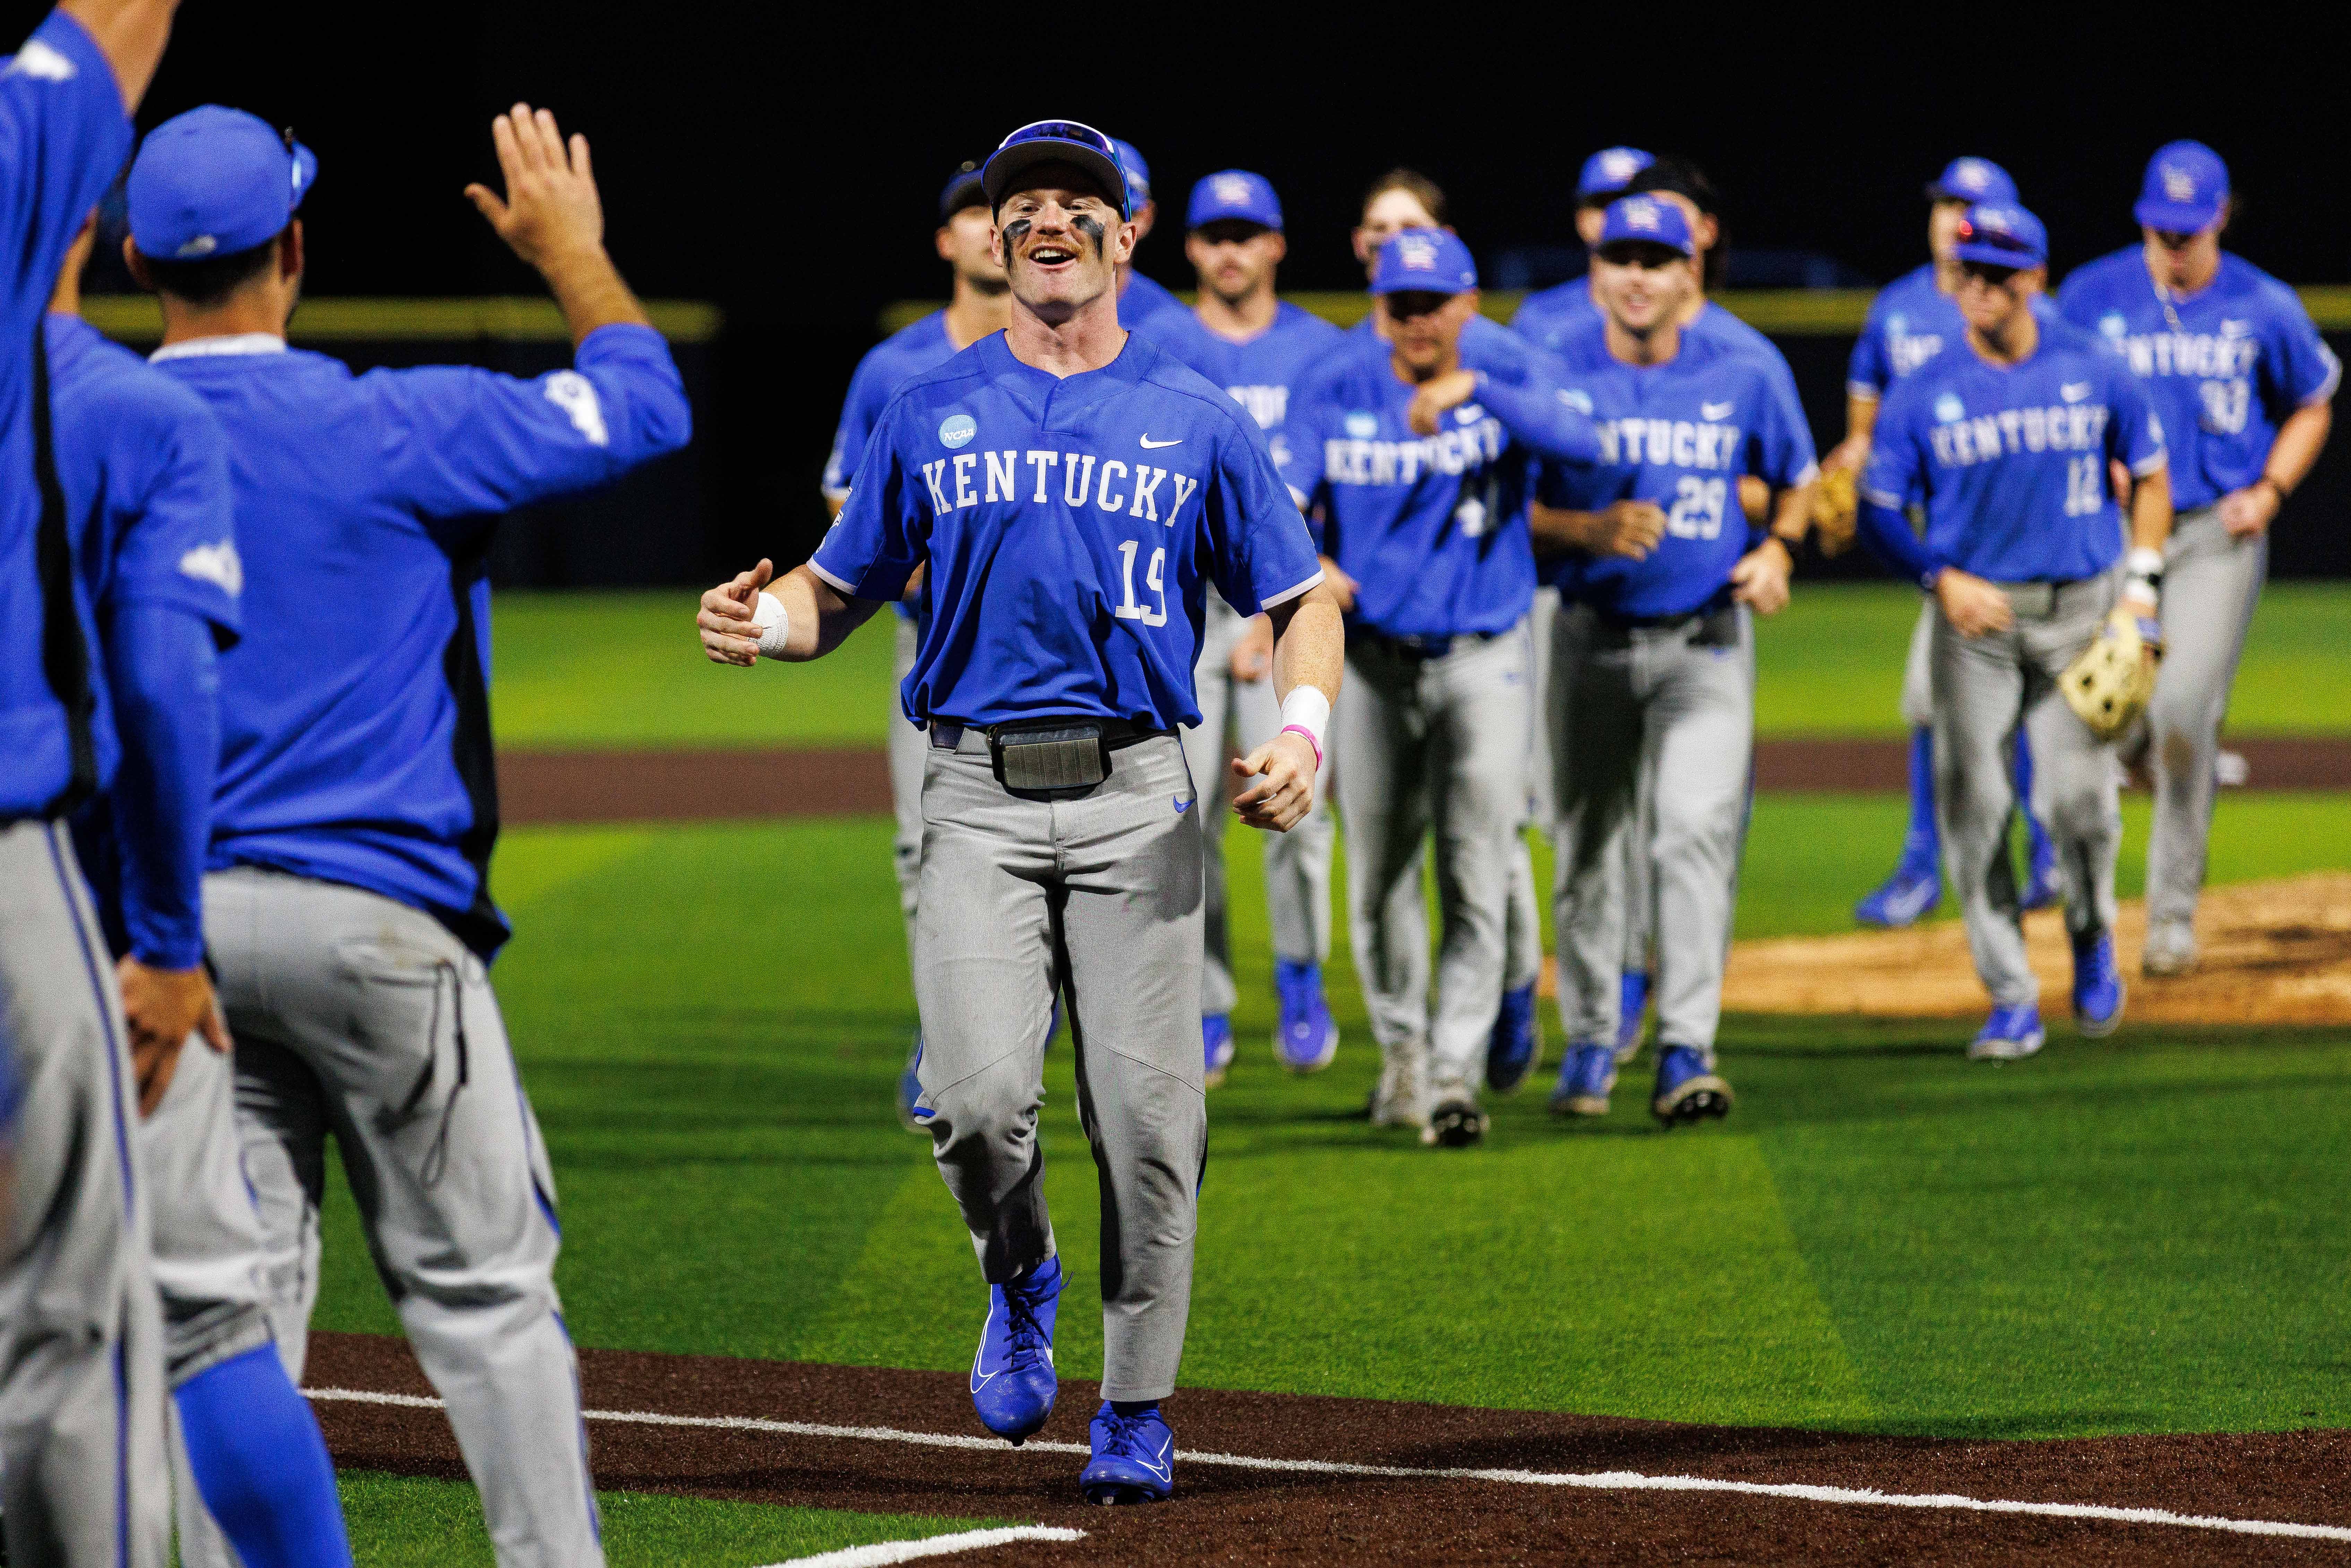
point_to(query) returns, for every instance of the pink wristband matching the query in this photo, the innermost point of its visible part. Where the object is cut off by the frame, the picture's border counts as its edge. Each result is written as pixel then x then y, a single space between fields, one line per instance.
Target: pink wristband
pixel 1302 729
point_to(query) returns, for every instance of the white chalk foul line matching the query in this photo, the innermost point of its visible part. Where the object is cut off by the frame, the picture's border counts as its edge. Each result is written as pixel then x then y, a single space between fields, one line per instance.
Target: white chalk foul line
pixel 1597 1480
pixel 884 1553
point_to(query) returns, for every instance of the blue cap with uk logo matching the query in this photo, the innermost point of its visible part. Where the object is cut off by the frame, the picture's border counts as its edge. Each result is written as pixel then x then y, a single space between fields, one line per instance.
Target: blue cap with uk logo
pixel 1234 195
pixel 2185 190
pixel 1058 142
pixel 1424 261
pixel 1644 220
pixel 2001 235
pixel 1973 180
pixel 1609 171
pixel 1138 173
pixel 214 181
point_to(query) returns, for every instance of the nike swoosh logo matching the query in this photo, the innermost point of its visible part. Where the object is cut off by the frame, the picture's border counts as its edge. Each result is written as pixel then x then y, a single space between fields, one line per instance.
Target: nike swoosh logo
pixel 979 1379
pixel 2074 392
pixel 1165 1469
pixel 1714 409
pixel 1151 446
pixel 1182 807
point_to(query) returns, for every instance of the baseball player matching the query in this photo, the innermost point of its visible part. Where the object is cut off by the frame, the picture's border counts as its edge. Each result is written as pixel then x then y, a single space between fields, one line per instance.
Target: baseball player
pixel 1415 453
pixel 1653 677
pixel 83 1475
pixel 1141 301
pixel 2244 386
pixel 2006 443
pixel 979 305
pixel 1071 490
pixel 1912 320
pixel 1399 200
pixel 1241 338
pixel 1548 315
pixel 347 910
pixel 143 466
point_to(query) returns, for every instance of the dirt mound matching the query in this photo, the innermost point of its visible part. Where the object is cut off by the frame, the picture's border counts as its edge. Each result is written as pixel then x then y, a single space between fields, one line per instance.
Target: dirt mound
pixel 2273 953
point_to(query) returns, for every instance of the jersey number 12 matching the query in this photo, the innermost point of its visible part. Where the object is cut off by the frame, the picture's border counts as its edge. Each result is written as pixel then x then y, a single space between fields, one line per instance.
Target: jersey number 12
pixel 2085 489
pixel 1155 578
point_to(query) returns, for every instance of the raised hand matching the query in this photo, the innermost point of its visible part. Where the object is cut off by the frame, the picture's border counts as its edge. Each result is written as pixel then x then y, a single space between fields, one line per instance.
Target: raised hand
pixel 550 211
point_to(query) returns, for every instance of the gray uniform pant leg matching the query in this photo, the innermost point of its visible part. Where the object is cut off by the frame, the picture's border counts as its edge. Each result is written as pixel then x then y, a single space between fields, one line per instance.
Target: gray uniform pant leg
pixel 1203 755
pixel 1918 668
pixel 1596 738
pixel 2211 582
pixel 1433 746
pixel 1985 687
pixel 1101 896
pixel 360 1017
pixel 1298 862
pixel 908 747
pixel 83 1473
pixel 1523 928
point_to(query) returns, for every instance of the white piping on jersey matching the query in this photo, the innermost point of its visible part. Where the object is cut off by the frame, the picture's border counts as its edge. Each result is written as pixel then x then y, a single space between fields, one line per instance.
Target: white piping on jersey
pixel 226 344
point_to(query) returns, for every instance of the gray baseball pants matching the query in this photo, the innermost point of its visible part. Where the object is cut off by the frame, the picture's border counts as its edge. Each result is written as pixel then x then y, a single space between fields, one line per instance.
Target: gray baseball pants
pixel 1627 702
pixel 908 747
pixel 1522 924
pixel 362 1019
pixel 1985 688
pixel 2211 582
pixel 1433 746
pixel 1101 896
pixel 83 1474
pixel 1298 862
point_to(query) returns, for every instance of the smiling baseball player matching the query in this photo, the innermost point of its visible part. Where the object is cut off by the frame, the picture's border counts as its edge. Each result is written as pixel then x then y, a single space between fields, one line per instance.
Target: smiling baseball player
pixel 1071 490
pixel 2245 387
pixel 2006 442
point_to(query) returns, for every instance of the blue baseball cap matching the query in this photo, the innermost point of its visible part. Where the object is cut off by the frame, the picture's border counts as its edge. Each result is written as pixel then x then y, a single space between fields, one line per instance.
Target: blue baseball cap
pixel 1057 141
pixel 1609 171
pixel 214 181
pixel 1234 195
pixel 2186 189
pixel 1137 174
pixel 1424 261
pixel 963 189
pixel 2002 235
pixel 1644 220
pixel 1973 180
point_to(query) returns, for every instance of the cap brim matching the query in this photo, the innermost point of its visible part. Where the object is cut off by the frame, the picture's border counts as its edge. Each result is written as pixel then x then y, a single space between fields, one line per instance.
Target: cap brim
pixel 1992 255
pixel 2175 217
pixel 967 191
pixel 1422 286
pixel 1011 162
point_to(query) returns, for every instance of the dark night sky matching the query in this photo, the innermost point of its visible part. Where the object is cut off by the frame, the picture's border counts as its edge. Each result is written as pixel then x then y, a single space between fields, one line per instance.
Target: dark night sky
pixel 783 161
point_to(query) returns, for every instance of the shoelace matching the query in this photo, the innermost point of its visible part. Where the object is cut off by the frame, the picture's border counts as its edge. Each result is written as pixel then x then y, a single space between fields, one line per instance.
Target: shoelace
pixel 1126 1438
pixel 1024 1332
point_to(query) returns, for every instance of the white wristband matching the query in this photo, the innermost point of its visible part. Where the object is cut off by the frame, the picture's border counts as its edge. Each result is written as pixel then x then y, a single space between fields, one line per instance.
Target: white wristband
pixel 774 625
pixel 1308 711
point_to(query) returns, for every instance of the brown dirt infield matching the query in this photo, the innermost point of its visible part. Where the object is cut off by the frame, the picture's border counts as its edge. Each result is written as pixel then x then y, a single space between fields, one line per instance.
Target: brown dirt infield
pixel 1224 1515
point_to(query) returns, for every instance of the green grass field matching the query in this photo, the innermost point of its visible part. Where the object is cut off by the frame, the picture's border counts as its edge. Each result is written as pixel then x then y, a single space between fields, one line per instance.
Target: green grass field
pixel 2133 1236
pixel 622 670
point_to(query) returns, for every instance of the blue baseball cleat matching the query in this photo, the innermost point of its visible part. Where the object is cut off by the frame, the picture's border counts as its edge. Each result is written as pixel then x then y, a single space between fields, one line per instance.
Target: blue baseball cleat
pixel 1012 1380
pixel 1215 1046
pixel 2011 1032
pixel 1632 1002
pixel 1134 1457
pixel 2098 986
pixel 2041 888
pixel 1585 1076
pixel 1516 1043
pixel 915 1118
pixel 1686 1088
pixel 1308 1036
pixel 1908 896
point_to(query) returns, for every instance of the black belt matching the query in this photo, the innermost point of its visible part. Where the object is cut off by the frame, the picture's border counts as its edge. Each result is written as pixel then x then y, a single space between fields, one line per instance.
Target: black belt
pixel 947 734
pixel 1419 648
pixel 1716 627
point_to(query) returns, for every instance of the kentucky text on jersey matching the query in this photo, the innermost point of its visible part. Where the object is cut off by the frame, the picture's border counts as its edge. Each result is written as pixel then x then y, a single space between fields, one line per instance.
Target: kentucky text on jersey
pixel 2227 352
pixel 1474 440
pixel 1984 437
pixel 1134 490
pixel 1683 442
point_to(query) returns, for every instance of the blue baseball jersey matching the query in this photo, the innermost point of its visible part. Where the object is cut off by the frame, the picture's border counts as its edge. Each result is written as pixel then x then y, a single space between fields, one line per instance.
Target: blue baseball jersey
pixel 1576 337
pixel 2010 463
pixel 1680 434
pixel 1911 321
pixel 64 132
pixel 2226 365
pixel 355 743
pixel 1433 529
pixel 1548 317
pixel 887 366
pixel 1142 302
pixel 1072 526
pixel 1258 374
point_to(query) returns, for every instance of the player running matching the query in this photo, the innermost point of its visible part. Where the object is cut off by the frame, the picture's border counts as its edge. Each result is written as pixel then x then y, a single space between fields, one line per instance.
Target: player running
pixel 2244 386
pixel 1653 677
pixel 1244 339
pixel 1071 489
pixel 1912 320
pixel 2006 443
pixel 347 911
pixel 83 1476
pixel 978 306
pixel 1415 453
pixel 143 466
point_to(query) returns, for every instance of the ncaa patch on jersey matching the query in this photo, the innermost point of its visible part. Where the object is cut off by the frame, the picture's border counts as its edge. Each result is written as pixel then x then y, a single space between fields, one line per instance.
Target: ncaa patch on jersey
pixel 1949 408
pixel 1362 426
pixel 957 430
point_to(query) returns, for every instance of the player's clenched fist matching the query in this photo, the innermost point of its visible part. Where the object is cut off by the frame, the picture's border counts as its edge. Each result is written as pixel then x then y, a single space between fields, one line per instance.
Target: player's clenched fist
pixel 730 632
pixel 1437 394
pixel 1283 769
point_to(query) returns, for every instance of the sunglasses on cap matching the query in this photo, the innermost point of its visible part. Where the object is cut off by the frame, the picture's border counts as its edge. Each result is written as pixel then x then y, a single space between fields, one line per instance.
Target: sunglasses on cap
pixel 1064 130
pixel 1997 239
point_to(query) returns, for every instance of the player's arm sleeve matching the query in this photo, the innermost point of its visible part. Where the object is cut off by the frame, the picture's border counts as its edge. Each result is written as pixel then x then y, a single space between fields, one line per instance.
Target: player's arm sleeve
pixel 64 133
pixel 1261 552
pixel 1537 414
pixel 462 442
pixel 1868 372
pixel 2134 431
pixel 1888 487
pixel 2298 368
pixel 884 531
pixel 178 544
pixel 859 411
pixel 159 669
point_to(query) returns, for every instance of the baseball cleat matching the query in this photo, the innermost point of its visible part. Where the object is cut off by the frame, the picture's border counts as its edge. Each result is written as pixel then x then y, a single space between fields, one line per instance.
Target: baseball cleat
pixel 1517 1040
pixel 1402 1098
pixel 1215 1046
pixel 2041 888
pixel 1134 1459
pixel 2011 1032
pixel 1908 896
pixel 1455 1121
pixel 1686 1087
pixel 2170 949
pixel 913 1117
pixel 2098 986
pixel 1632 1002
pixel 1587 1074
pixel 1012 1379
pixel 1308 1036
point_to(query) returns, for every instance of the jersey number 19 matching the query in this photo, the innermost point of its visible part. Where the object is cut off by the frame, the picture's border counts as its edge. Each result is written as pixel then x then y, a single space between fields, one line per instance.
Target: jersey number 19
pixel 1155 578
